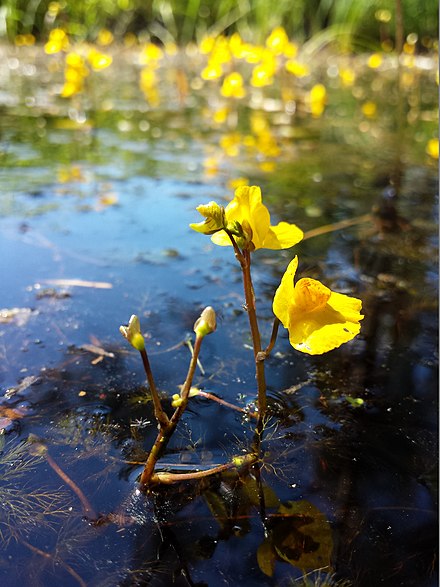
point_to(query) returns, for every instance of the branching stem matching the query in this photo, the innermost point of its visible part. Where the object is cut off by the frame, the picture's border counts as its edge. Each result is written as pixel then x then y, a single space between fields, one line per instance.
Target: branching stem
pixel 167 430
pixel 159 413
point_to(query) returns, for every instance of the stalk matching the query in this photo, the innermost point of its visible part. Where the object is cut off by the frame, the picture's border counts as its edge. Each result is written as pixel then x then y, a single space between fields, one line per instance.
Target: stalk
pixel 159 413
pixel 255 332
pixel 167 430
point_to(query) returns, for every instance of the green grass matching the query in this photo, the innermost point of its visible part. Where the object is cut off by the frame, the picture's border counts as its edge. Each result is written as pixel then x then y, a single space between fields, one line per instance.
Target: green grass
pixel 188 20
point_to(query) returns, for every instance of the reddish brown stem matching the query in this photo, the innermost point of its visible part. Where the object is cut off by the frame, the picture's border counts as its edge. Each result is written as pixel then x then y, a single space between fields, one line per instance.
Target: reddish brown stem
pixel 88 510
pixel 159 413
pixel 166 431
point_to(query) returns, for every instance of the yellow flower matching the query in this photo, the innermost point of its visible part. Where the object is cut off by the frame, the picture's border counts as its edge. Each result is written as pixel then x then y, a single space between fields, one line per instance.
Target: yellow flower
pixel 369 109
pixel 214 218
pixel 432 148
pixel 233 86
pixel 98 60
pixel 317 100
pixel 375 60
pixel 105 38
pixel 296 68
pixel 277 41
pixel 251 214
pixel 318 320
pixel 58 41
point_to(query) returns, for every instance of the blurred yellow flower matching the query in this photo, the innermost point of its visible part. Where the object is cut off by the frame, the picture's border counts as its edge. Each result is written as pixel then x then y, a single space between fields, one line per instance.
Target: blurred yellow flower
pixel 213 70
pixel 105 37
pixel 248 210
pixel 297 69
pixel 150 54
pixel 318 320
pixel 58 41
pixel 432 148
pixel 290 50
pixel 317 100
pixel 219 116
pixel 277 41
pixel 98 60
pixel 347 76
pixel 231 143
pixel 206 45
pixel 262 75
pixel 375 60
pixel 74 73
pixel 148 85
pixel 26 40
pixel 369 109
pixel 232 86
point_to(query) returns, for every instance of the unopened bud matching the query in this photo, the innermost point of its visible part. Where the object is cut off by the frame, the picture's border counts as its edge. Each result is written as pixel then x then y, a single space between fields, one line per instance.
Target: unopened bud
pixel 177 400
pixel 206 323
pixel 133 334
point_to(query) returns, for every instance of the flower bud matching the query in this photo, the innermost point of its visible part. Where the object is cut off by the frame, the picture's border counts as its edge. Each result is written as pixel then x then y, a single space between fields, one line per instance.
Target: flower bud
pixel 214 218
pixel 206 323
pixel 133 334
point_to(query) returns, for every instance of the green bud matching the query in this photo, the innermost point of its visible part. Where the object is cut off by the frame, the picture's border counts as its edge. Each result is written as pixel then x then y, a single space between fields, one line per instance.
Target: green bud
pixel 133 334
pixel 206 323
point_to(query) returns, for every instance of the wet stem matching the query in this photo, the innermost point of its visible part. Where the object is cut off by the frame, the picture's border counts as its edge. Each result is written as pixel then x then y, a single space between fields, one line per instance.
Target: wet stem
pixel 168 425
pixel 244 258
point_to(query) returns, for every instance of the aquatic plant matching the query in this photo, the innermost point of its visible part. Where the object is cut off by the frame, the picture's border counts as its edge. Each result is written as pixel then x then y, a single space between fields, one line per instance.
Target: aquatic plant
pixel 318 320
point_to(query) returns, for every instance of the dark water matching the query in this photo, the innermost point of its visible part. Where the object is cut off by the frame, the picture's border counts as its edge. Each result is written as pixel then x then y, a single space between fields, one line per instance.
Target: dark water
pixel 101 189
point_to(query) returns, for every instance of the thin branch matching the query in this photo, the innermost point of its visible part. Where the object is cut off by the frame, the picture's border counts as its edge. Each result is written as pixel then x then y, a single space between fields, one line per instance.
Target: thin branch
pixel 166 431
pixel 169 478
pixel 273 338
pixel 159 413
pixel 89 512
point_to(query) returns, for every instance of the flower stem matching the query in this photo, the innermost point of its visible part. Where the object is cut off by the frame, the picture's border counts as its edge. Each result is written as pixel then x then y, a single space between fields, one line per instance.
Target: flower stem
pixel 255 332
pixel 159 413
pixel 222 402
pixel 167 430
pixel 169 478
pixel 273 338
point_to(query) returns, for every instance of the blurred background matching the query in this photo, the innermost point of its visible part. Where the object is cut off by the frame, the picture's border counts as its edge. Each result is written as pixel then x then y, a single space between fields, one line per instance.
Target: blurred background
pixel 355 23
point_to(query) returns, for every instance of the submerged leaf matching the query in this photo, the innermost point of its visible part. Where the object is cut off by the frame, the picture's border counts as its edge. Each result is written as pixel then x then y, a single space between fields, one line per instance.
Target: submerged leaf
pixel 303 536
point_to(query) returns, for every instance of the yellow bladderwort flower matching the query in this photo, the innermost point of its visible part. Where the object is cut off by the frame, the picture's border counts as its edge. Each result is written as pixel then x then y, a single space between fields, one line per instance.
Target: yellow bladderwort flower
pixel 233 86
pixel 432 148
pixel 318 320
pixel 317 100
pixel 58 41
pixel 296 68
pixel 277 41
pixel 98 60
pixel 74 74
pixel 248 218
pixel 214 218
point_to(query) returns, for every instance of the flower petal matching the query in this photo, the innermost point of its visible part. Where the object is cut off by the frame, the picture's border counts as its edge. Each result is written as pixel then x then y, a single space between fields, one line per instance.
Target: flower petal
pixel 247 205
pixel 282 236
pixel 319 332
pixel 221 238
pixel 284 294
pixel 346 305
